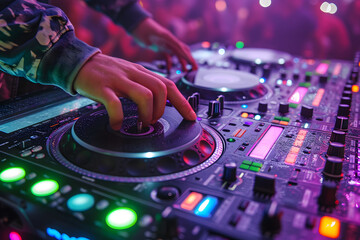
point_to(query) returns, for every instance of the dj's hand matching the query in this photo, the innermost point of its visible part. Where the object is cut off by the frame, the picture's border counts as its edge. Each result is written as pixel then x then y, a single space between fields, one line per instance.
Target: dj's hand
pixel 105 79
pixel 150 34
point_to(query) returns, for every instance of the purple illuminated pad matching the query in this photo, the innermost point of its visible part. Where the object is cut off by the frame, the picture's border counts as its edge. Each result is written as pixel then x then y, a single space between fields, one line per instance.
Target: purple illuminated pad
pixel 265 144
pixel 298 95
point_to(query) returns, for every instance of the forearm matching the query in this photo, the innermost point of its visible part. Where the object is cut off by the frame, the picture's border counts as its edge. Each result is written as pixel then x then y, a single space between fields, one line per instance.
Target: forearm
pixel 37 42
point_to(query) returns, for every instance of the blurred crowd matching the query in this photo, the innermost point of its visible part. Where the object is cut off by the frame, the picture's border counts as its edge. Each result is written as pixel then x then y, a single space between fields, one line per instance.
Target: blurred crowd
pixel 298 27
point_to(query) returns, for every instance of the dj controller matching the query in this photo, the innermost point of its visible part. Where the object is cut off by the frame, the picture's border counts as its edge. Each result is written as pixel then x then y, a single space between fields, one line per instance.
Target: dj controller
pixel 273 154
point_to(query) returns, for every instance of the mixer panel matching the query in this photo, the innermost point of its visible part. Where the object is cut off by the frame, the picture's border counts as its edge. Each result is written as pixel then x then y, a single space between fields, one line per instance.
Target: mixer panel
pixel 273 154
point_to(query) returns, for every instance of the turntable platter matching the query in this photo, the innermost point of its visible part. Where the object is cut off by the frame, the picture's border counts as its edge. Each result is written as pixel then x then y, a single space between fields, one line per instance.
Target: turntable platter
pixel 171 148
pixel 236 86
pixel 260 56
pixel 222 79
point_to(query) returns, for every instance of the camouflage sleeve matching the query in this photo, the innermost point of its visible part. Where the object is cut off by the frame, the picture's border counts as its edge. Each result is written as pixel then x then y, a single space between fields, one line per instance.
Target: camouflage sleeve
pixel 37 42
pixel 127 13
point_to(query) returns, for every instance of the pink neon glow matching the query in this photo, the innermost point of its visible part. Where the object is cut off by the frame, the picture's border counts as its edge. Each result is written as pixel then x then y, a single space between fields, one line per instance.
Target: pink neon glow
pixel 14 236
pixel 268 140
pixel 322 68
pixel 337 69
pixel 298 95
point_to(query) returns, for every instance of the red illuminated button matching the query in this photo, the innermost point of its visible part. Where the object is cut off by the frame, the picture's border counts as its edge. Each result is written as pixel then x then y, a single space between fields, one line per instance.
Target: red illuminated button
pixel 329 227
pixel 191 201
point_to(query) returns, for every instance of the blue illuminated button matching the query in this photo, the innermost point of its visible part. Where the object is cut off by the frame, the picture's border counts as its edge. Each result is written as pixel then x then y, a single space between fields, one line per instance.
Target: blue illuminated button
pixel 206 207
pixel 81 202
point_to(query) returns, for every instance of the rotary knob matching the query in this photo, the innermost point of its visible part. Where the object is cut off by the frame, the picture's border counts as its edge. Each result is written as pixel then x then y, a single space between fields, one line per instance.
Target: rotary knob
pixel 271 221
pixel 348 87
pixel 263 107
pixel 266 71
pixel 192 102
pixel 253 68
pixel 327 196
pixel 229 173
pixel 221 100
pixel 323 79
pixel 338 136
pixel 343 110
pixel 336 149
pixel 283 75
pixel 306 112
pixel 308 77
pixel 347 94
pixel 341 123
pixel 283 108
pixel 296 76
pixel 214 108
pixel 333 167
pixel 345 100
pixel 197 96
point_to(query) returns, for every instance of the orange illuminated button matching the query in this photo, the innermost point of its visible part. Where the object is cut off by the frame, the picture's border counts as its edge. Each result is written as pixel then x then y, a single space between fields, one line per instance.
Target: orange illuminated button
pixel 191 201
pixel 355 88
pixel 244 115
pixel 329 227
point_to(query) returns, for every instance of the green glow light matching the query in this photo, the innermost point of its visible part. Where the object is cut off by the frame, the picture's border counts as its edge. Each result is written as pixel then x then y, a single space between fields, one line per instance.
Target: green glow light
pixel 121 218
pixel 44 188
pixel 12 174
pixel 80 202
pixel 239 44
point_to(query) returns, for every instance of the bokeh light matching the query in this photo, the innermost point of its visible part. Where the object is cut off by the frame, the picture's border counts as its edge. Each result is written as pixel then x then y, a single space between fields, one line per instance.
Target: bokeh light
pixel 220 5
pixel 265 3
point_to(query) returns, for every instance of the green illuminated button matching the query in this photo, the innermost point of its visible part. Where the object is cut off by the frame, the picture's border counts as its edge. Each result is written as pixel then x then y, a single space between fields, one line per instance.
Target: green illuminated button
pixel 247 162
pixel 80 202
pixel 293 105
pixel 277 118
pixel 12 174
pixel 256 164
pixel 305 84
pixel 286 119
pixel 254 169
pixel 44 188
pixel 231 140
pixel 121 218
pixel 244 166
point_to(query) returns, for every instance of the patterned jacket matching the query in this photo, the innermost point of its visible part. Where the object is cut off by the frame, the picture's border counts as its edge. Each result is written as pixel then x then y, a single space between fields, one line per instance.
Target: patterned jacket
pixel 37 40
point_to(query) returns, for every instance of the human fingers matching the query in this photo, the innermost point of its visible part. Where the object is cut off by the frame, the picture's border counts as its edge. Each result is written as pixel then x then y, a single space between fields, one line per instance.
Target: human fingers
pixel 176 98
pixel 168 61
pixel 145 78
pixel 113 106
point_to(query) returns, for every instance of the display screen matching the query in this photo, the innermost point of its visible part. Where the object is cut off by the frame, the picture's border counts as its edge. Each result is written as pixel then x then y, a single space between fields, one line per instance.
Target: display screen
pixel 266 142
pixel 45 114
pixel 322 68
pixel 298 95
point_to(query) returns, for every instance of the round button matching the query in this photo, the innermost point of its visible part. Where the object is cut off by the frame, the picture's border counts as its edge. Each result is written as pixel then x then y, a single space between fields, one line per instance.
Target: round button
pixel 44 188
pixel 12 174
pixel 80 202
pixel 167 193
pixel 121 218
